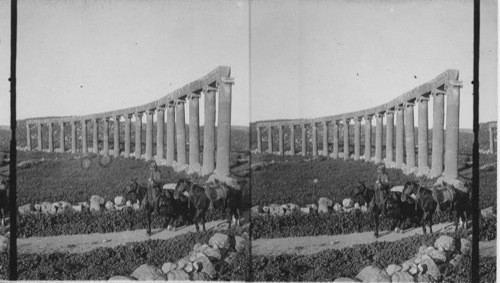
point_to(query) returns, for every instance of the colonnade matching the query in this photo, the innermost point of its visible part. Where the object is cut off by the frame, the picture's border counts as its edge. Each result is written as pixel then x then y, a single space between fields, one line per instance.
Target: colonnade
pixel 216 143
pixel 402 149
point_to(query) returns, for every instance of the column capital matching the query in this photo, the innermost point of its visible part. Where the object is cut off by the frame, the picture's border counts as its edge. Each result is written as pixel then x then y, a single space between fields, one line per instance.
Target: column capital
pixel 138 114
pixel 303 126
pixel 83 122
pixel 368 117
pixel 313 124
pixel 150 111
pixel 208 89
pixel 389 111
pixel 408 104
pixel 379 115
pixel 358 119
pixel 94 120
pixel 422 98
pixel 225 80
pixel 160 108
pixel 72 123
pixel 193 96
pixel 117 117
pixel 453 84
pixel 179 101
pixel 436 92
pixel 323 123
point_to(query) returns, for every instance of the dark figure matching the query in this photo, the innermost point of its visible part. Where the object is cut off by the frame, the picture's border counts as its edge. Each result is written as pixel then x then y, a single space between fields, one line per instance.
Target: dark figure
pixel 400 211
pixel 197 199
pixel 224 196
pixel 375 198
pixel 382 183
pixel 155 178
pixel 457 201
pixel 423 200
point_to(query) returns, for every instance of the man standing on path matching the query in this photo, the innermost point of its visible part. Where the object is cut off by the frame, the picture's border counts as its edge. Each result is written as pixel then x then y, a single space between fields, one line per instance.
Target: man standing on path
pixel 382 183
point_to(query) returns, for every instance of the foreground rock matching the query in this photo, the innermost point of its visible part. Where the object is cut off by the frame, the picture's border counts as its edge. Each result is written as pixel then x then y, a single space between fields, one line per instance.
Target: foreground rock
pixel 148 273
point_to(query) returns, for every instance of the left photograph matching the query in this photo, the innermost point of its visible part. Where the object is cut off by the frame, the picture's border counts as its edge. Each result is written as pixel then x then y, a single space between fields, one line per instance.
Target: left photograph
pixel 132 140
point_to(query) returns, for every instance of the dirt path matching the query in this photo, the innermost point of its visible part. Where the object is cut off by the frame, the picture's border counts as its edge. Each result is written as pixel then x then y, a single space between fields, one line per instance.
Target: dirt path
pixel 87 242
pixel 311 245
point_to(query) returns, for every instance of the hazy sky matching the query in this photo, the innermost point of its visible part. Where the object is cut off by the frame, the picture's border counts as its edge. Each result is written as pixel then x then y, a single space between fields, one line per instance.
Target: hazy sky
pixel 299 59
pixel 319 58
pixel 84 57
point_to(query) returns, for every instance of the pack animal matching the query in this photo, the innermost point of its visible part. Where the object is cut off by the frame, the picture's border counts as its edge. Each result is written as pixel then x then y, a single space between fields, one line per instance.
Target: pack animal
pixel 423 200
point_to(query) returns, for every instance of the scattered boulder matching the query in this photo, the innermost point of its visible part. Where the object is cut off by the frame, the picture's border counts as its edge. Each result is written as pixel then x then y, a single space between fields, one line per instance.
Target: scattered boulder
pixel 337 207
pixel 323 208
pixel 465 246
pixel 266 209
pixel 240 243
pixel 347 203
pixel 109 205
pixel 4 244
pixel 136 206
pixel 178 275
pixel 96 202
pixel 392 268
pixel 206 266
pixel 373 274
pixel 425 278
pixel 64 206
pixel 119 200
pixel 168 266
pixel 256 210
pixel 325 202
pixel 306 210
pixel 292 207
pixel 364 208
pixel 38 207
pixel 148 273
pixel 189 267
pixel 430 267
pixel 445 242
pixel 437 256
pixel 46 207
pixel 213 253
pixel 313 207
pixel 200 276
pixel 219 240
pixel 487 212
pixel 276 210
pixel 54 207
pixel 26 209
pixel 402 276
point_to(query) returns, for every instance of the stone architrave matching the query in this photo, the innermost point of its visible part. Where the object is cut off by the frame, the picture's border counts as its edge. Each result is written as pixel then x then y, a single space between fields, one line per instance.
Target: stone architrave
pixel 83 123
pixel 127 135
pixel 452 129
pixel 95 136
pixel 368 138
pixel 138 135
pixel 116 136
pixel 180 130
pixel 73 137
pixel 224 126
pixel 399 136
pixel 346 138
pixel 149 134
pixel 170 133
pixel 437 133
pixel 194 129
pixel 40 139
pixel 105 136
pixel 423 127
pixel 28 136
pixel 292 139
pixel 357 138
pixel 280 135
pixel 209 130
pixel 51 137
pixel 410 135
pixel 304 141
pixel 389 146
pixel 160 128
pixel 270 139
pixel 314 140
pixel 335 139
pixel 325 138
pixel 378 137
pixel 61 137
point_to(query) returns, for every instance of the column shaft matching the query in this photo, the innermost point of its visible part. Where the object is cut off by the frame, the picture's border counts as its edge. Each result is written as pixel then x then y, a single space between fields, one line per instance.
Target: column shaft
pixel 51 137
pixel 280 134
pixel 437 133
pixel 368 138
pixel 259 140
pixel 149 135
pixel 28 137
pixel 194 129
pixel 379 137
pixel 105 136
pixel 83 123
pixel 61 137
pixel 346 139
pixel 116 137
pixel 325 139
pixel 389 146
pixel 224 126
pixel 180 130
pixel 357 138
pixel 127 135
pixel 40 146
pixel 452 129
pixel 423 127
pixel 335 139
pixel 399 136
pixel 410 136
pixel 170 134
pixel 209 131
pixel 304 141
pixel 95 136
pixel 269 139
pixel 292 139
pixel 492 142
pixel 314 140
pixel 73 137
pixel 160 126
pixel 138 135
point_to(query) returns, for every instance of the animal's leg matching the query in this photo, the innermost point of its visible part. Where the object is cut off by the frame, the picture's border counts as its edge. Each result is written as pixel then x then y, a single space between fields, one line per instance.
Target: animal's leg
pixel 430 222
pixel 375 215
pixel 422 222
pixel 195 219
pixel 148 212
pixel 457 216
pixel 203 221
pixel 238 217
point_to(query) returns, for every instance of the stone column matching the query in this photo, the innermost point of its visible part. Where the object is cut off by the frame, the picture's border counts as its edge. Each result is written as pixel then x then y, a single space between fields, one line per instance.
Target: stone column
pixel 452 129
pixel 368 138
pixel 83 123
pixel 127 135
pixel 138 135
pixel 95 136
pixel 346 139
pixel 399 136
pixel 194 129
pixel 357 138
pixel 378 137
pixel 51 137
pixel 73 137
pixel 116 136
pixel 292 139
pixel 61 136
pixel 40 140
pixel 492 139
pixel 304 142
pixel 314 140
pixel 437 133
pixel 335 139
pixel 423 127
pixel 171 133
pixel 209 131
pixel 389 147
pixel 280 129
pixel 259 140
pixel 28 137
pixel 224 126
pixel 269 139
pixel 105 136
pixel 180 130
pixel 160 127
pixel 410 135
pixel 149 134
pixel 325 138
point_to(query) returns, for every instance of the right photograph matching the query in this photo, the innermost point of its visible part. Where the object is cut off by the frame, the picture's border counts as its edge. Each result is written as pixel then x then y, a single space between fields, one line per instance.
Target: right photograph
pixel 361 140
